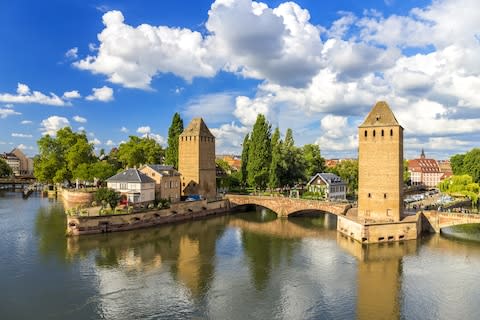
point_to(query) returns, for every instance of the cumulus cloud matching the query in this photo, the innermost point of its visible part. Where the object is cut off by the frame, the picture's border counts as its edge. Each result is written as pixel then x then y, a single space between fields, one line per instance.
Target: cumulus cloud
pixel 217 107
pixel 72 53
pixel 79 119
pixel 96 142
pixel 26 122
pixel 229 137
pixel 158 138
pixel 144 129
pixel 52 124
pixel 25 95
pixel 124 130
pixel 24 147
pixel 109 143
pixel 103 94
pixel 21 135
pixel 4 113
pixel 74 94
pixel 424 65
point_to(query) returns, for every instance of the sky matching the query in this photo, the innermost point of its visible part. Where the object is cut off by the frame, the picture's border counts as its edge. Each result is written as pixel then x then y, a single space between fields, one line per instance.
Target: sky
pixel 120 68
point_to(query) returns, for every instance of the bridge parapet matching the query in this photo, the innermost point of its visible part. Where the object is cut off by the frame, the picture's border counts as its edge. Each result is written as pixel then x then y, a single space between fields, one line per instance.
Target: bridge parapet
pixel 438 220
pixel 286 206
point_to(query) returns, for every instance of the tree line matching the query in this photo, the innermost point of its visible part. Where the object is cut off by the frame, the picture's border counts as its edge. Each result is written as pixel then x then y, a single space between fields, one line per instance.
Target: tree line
pixel 273 162
pixel 70 155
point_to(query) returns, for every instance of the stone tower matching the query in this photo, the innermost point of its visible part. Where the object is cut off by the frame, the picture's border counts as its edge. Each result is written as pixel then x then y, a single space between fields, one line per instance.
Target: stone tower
pixel 380 165
pixel 196 160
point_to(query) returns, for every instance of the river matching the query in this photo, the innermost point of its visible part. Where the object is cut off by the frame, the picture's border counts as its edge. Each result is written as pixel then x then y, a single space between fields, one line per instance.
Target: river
pixel 248 265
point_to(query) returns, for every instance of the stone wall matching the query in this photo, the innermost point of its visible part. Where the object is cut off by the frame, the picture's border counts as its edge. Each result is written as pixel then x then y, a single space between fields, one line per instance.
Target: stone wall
pixel 73 198
pixel 122 222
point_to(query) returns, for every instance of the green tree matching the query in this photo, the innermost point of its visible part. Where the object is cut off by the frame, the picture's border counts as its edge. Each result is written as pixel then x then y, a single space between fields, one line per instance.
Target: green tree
pixel 137 151
pixel 243 169
pixel 456 162
pixel 259 153
pixel 462 185
pixel 348 171
pixel 276 163
pixel 314 162
pixel 471 164
pixel 406 173
pixel 293 161
pixel 108 195
pixel 101 170
pixel 59 156
pixel 176 128
pixel 5 170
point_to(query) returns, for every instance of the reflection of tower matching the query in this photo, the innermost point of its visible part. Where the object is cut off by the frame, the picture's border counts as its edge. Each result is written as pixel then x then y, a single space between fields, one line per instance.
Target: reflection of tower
pixel 196 160
pixel 379 276
pixel 380 155
pixel 188 265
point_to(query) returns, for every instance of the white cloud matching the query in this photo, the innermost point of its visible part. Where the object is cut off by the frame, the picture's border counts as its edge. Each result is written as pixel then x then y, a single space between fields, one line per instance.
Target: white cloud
pixel 9 105
pixel 8 112
pixel 229 137
pixel 24 147
pixel 79 119
pixel 124 130
pixel 145 129
pixel 21 135
pixel 74 94
pixel 72 53
pixel 110 143
pixel 334 126
pixel 81 128
pixel 26 122
pixel 52 124
pixel 25 95
pixel 158 138
pixel 103 94
pixel 96 142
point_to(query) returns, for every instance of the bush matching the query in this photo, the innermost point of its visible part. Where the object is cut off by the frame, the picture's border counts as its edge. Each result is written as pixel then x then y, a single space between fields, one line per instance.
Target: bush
pixel 151 206
pixel 106 195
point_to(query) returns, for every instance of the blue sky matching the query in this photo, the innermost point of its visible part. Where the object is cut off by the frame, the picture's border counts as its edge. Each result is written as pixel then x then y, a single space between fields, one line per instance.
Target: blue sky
pixel 120 68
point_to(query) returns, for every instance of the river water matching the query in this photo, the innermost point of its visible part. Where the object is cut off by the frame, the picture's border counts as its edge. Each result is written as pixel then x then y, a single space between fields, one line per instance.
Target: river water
pixel 248 265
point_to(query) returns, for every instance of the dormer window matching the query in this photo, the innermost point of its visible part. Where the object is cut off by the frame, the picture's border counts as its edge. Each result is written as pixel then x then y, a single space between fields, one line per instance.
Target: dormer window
pixel 377 117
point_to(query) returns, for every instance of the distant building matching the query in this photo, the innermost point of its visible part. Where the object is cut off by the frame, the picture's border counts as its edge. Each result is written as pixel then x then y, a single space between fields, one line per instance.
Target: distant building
pixel 135 185
pixel 424 172
pixel 331 163
pixel 21 165
pixel 331 186
pixel 196 160
pixel 445 168
pixel 167 181
pixel 233 161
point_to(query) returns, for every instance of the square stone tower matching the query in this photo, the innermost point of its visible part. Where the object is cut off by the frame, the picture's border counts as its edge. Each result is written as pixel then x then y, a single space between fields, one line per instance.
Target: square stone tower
pixel 196 160
pixel 380 166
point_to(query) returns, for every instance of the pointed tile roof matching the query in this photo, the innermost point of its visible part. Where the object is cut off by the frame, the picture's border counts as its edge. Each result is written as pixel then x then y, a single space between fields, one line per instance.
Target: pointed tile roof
pixel 130 175
pixel 380 115
pixel 197 127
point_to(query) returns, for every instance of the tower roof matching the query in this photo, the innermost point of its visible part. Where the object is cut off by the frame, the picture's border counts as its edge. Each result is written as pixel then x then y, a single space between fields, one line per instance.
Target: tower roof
pixel 197 127
pixel 380 115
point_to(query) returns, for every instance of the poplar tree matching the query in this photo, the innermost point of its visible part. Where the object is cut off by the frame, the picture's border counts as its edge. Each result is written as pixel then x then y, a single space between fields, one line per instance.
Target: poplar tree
pixel 293 161
pixel 176 128
pixel 275 165
pixel 243 170
pixel 259 153
pixel 314 162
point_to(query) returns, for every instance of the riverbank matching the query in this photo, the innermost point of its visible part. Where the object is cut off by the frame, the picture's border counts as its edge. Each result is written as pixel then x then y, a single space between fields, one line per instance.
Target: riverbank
pixel 81 225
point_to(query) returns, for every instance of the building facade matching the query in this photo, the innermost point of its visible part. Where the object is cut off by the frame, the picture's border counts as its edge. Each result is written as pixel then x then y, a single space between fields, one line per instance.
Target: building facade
pixel 167 181
pixel 425 172
pixel 329 185
pixel 134 185
pixel 380 152
pixel 196 160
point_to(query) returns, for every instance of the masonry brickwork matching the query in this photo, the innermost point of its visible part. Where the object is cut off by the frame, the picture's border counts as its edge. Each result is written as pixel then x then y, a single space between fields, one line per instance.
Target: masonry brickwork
pixel 196 160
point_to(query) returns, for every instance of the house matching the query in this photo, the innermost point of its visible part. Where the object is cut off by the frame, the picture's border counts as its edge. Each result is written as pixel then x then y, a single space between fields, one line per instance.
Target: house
pixel 329 185
pixel 135 185
pixel 167 181
pixel 13 162
pixel 425 172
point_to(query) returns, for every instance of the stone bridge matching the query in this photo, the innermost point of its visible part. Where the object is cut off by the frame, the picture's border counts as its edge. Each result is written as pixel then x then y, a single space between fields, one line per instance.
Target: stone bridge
pixel 435 221
pixel 284 207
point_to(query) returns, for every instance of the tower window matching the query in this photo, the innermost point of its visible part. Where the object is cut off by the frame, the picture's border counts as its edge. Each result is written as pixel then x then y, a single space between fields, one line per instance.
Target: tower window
pixel 391 132
pixel 366 133
pixel 382 133
pixel 369 195
pixel 384 196
pixel 374 133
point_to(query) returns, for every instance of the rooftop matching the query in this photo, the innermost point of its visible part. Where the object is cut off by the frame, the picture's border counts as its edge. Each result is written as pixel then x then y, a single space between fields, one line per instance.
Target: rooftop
pixel 380 115
pixel 131 175
pixel 197 127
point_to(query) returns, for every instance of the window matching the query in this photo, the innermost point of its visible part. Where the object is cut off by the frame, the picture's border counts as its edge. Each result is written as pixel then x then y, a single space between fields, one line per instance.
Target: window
pixel 384 196
pixel 366 133
pixel 369 195
pixel 382 133
pixel 391 132
pixel 374 133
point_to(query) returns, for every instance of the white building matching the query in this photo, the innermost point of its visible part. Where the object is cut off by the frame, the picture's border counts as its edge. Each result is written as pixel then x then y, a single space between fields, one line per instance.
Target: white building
pixel 329 185
pixel 136 186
